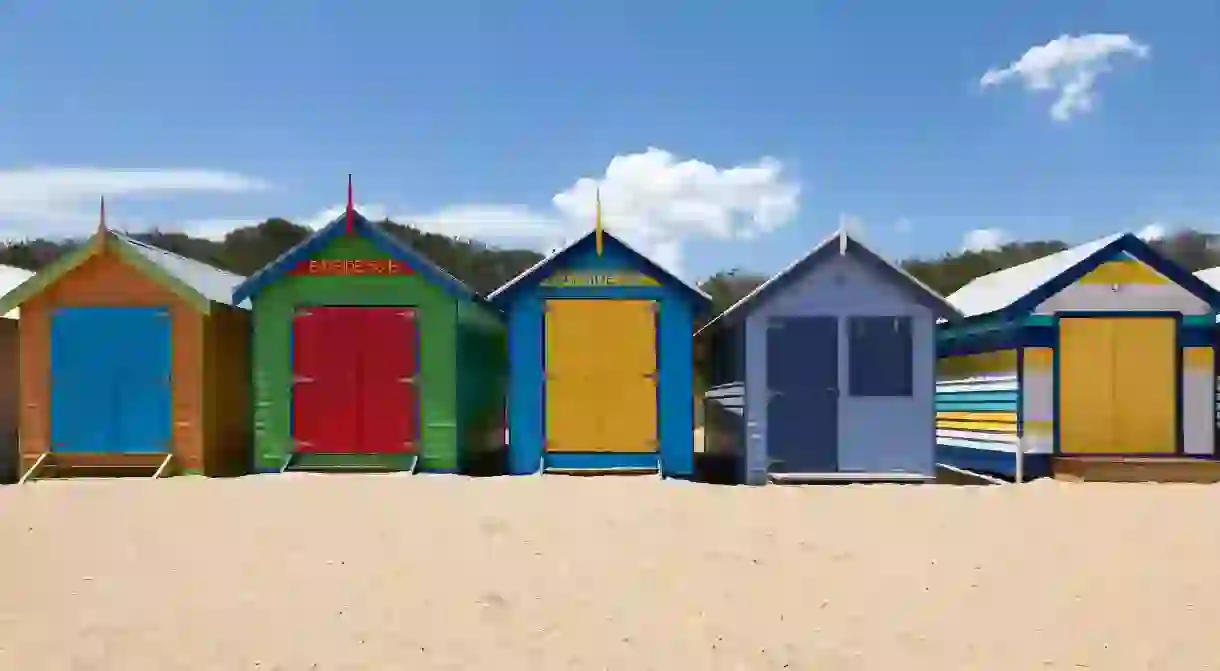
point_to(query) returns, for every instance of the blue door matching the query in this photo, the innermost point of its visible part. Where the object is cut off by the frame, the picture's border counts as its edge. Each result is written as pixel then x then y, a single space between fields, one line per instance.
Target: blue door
pixel 803 394
pixel 110 380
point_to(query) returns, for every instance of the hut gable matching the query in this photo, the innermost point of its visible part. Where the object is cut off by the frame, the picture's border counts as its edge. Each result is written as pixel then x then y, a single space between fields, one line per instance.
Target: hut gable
pixel 313 250
pixel 835 250
pixel 1115 272
pixel 580 266
pixel 195 283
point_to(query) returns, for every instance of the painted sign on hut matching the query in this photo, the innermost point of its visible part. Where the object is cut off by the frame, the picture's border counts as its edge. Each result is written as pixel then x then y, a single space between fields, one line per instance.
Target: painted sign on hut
pixel 826 371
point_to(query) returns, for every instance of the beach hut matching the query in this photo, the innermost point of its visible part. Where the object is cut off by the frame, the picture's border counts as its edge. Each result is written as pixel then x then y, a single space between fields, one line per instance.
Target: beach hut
pixel 10 357
pixel 826 371
pixel 1093 360
pixel 601 362
pixel 368 356
pixel 133 361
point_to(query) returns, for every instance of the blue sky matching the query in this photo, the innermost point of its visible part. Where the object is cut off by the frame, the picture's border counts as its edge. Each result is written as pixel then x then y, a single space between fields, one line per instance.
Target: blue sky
pixel 480 118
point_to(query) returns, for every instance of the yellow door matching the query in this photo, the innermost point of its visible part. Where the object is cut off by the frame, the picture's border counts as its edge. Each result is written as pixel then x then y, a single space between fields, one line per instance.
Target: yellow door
pixel 1145 389
pixel 572 421
pixel 1086 385
pixel 601 376
pixel 630 377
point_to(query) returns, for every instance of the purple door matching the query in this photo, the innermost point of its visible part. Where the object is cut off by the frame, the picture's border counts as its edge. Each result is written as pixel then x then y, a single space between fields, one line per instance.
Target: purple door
pixel 803 394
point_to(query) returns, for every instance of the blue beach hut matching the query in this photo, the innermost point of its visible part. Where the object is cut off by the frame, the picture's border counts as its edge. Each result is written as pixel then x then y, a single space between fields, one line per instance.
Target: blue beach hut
pixel 601 368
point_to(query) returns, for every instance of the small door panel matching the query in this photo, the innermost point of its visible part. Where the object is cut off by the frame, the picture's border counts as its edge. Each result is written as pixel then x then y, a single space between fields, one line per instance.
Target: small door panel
pixel 325 405
pixel 83 404
pixel 1086 412
pixel 144 421
pixel 1146 381
pixel 389 372
pixel 573 418
pixel 803 396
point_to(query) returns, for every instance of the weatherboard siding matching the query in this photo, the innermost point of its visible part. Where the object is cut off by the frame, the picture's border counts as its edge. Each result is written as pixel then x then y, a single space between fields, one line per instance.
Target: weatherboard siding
pixel 842 287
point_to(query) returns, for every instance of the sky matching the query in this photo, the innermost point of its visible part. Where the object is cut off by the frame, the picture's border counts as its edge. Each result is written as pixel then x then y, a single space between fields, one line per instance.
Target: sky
pixel 719 135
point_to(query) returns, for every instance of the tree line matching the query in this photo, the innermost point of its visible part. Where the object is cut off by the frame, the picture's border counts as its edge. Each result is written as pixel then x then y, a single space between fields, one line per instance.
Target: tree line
pixel 486 268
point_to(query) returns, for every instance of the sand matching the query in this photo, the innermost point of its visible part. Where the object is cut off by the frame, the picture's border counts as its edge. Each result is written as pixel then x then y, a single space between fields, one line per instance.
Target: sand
pixel 437 572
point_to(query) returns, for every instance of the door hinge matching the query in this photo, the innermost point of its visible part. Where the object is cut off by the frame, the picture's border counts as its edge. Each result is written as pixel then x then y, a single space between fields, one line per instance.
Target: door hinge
pixel 408 380
pixel 300 379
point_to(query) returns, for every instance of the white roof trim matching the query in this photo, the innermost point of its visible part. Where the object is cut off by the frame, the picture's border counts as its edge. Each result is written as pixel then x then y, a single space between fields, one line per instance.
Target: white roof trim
pixel 530 271
pixel 12 277
pixel 998 290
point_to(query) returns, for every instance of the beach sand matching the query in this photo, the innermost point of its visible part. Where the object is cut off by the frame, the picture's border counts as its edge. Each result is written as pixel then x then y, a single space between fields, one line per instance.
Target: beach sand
pixel 438 572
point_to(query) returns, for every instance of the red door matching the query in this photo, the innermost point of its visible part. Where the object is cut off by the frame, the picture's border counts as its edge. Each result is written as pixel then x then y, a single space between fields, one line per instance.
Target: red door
pixel 389 412
pixel 354 380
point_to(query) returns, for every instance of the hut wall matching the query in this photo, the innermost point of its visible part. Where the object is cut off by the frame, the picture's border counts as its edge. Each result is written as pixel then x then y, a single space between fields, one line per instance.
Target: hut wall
pixel 724 400
pixel 273 311
pixel 105 280
pixel 9 398
pixel 482 384
pixel 227 389
pixel 978 409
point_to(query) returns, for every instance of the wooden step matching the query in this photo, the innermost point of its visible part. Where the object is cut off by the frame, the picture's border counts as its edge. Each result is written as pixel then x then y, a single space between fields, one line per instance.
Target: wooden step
pixel 628 470
pixel 59 465
pixel 1136 469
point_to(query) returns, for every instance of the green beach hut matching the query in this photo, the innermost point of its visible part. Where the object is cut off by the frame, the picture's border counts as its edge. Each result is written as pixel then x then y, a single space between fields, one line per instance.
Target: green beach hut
pixel 368 356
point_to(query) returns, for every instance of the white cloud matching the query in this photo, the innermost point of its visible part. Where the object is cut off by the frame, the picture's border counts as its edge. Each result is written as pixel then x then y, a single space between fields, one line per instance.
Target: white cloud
pixel 1153 231
pixel 502 222
pixel 983 239
pixel 652 199
pixel 64 201
pixel 1070 65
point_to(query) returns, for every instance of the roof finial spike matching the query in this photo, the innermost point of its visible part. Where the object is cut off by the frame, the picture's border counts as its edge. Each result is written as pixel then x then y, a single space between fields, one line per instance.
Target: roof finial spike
pixel 597 221
pixel 101 220
pixel 843 222
pixel 351 206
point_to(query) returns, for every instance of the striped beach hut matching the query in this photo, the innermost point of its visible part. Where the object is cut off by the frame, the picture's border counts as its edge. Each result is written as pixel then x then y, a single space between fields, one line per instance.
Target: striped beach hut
pixel 1099 354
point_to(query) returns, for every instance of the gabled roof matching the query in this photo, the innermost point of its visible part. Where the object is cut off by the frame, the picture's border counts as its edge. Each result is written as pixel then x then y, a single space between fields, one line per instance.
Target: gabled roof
pixel 10 278
pixel 195 282
pixel 1022 287
pixel 307 248
pixel 840 244
pixel 540 270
